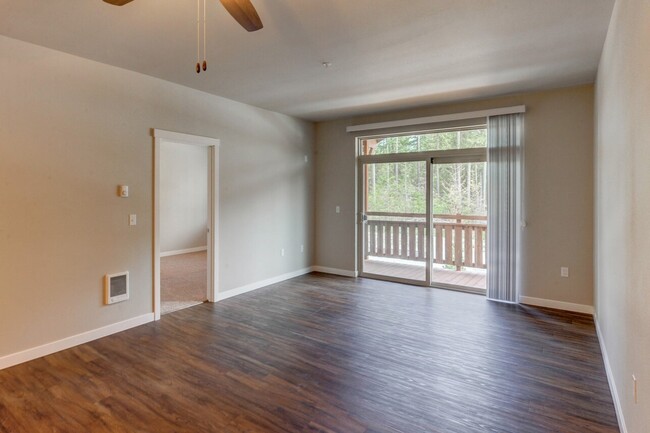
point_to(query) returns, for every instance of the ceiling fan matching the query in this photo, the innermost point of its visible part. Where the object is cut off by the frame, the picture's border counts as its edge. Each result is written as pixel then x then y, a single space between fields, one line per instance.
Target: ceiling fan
pixel 242 11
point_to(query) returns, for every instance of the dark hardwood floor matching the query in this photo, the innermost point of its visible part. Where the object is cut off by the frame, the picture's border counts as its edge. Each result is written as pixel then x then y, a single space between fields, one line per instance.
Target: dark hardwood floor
pixel 325 354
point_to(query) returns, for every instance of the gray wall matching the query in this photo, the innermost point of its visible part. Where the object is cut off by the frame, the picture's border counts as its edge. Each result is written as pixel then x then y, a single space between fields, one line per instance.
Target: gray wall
pixel 71 131
pixel 183 196
pixel 623 206
pixel 559 189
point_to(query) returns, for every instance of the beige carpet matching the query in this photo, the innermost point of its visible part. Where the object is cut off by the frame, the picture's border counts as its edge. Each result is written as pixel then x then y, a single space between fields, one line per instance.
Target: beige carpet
pixel 183 281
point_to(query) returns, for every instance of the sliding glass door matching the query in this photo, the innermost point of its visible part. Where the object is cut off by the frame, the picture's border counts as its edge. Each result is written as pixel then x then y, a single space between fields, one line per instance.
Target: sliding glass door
pixel 459 224
pixel 395 223
pixel 423 208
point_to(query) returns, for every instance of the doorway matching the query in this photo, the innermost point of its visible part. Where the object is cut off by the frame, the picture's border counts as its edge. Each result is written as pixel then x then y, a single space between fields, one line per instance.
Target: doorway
pixel 185 216
pixel 423 201
pixel 183 225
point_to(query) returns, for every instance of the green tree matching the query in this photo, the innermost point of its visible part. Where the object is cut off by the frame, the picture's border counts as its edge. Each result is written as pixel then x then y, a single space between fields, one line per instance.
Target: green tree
pixel 456 188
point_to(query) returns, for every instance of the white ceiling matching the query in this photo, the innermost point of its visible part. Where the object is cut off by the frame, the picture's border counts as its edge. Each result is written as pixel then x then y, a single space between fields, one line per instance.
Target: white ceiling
pixel 385 54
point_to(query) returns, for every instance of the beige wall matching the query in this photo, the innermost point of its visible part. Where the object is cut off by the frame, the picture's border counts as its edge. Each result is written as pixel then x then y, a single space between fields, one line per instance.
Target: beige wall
pixel 71 130
pixel 559 189
pixel 183 196
pixel 622 257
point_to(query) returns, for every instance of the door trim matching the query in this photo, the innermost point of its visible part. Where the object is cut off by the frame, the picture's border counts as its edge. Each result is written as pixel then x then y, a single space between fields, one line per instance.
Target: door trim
pixel 160 136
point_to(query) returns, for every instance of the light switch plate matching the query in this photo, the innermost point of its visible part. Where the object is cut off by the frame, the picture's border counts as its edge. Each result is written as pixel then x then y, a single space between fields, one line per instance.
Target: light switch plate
pixel 133 219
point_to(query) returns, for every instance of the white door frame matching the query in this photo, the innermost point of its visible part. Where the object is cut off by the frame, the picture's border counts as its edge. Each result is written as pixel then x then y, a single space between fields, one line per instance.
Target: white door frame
pixel 212 144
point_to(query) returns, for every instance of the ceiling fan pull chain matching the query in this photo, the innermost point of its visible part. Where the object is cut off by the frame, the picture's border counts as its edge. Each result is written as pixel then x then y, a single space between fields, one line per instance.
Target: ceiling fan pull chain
pixel 205 52
pixel 198 36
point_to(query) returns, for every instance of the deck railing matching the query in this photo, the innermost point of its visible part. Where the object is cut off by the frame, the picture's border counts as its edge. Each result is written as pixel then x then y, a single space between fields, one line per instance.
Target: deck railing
pixel 458 240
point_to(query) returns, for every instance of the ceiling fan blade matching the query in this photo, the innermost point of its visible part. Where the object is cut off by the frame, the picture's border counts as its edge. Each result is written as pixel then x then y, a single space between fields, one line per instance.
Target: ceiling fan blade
pixel 244 13
pixel 118 2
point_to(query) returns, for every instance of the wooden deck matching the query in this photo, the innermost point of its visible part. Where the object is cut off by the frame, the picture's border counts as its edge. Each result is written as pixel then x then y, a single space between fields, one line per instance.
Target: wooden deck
pixel 470 278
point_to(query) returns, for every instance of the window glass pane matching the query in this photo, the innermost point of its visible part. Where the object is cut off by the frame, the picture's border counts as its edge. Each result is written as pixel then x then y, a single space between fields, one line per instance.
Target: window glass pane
pixel 459 188
pixel 395 224
pixel 396 187
pixel 459 230
pixel 443 140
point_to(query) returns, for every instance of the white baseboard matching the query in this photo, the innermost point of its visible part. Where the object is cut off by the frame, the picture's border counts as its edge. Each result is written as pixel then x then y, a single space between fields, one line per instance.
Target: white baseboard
pixel 259 284
pixel 75 340
pixel 610 379
pixel 334 271
pixel 558 305
pixel 185 251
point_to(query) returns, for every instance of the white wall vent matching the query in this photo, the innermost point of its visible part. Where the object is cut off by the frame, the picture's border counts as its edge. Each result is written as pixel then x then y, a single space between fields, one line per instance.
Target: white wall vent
pixel 116 288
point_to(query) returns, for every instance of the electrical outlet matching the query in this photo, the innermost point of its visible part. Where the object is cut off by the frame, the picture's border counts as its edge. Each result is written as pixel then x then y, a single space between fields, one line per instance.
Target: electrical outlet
pixel 133 219
pixel 282 252
pixel 302 248
pixel 635 390
pixel 338 209
pixel 564 272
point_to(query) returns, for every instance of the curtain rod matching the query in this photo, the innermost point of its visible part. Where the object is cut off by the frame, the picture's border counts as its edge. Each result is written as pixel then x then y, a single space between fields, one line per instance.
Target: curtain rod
pixel 438 119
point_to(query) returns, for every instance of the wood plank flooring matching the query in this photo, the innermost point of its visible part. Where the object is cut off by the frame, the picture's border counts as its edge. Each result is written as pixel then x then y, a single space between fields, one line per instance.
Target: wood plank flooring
pixel 325 354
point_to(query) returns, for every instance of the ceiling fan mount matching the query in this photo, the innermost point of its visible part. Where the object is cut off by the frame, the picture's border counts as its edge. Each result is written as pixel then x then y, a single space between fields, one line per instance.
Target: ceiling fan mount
pixel 242 11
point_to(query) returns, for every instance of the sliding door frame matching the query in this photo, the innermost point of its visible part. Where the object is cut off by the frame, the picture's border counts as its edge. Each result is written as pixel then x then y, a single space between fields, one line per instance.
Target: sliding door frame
pixel 430 158
pixel 361 220
pixel 455 160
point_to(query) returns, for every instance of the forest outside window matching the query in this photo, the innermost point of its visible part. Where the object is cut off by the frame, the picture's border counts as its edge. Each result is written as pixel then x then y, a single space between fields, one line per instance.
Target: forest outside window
pixel 466 138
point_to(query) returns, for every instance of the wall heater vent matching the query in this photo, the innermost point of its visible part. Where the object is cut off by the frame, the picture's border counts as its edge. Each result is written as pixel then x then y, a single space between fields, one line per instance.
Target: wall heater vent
pixel 116 288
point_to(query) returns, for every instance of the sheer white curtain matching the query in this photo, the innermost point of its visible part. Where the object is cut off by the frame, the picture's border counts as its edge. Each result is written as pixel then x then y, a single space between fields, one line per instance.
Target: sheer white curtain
pixel 505 174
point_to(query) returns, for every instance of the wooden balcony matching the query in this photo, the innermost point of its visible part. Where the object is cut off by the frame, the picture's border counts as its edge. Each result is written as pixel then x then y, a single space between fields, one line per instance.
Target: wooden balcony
pixel 396 245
